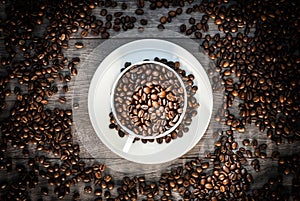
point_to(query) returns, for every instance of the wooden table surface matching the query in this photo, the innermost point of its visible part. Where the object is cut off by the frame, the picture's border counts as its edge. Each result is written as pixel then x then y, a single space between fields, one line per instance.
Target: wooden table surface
pixel 92 150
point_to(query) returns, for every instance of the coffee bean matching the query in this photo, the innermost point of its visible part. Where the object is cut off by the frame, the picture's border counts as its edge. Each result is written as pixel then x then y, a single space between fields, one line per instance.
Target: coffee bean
pixel 189 32
pixel 140 3
pixel 182 28
pixel 139 11
pixel 198 35
pixel 192 20
pixel 160 26
pixel 103 12
pixel 98 192
pixel 118 14
pixel 105 35
pixel 144 22
pixel 108 25
pixel 107 194
pixel 124 6
pixel 62 100
pixel 172 13
pixel 246 142
pixel 79 45
pixel 163 20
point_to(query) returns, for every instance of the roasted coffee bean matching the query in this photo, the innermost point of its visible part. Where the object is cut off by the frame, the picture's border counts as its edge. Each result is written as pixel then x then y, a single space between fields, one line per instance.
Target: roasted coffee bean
pixel 74 71
pixel 88 189
pixel 192 20
pixel 160 26
pixel 84 33
pixel 116 28
pixel 139 11
pixel 124 6
pixel 118 14
pixel 198 35
pixel 103 12
pixel 108 25
pixel 62 100
pixel 108 17
pixel 182 28
pixel 79 45
pixel 189 11
pixel 140 3
pixel 163 20
pixel 98 192
pixel 246 142
pixel 107 194
pixel 172 13
pixel 144 22
pixel 105 35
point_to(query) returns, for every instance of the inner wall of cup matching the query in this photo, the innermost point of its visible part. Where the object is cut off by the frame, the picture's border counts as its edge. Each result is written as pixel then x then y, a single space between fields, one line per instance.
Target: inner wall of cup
pixel 131 90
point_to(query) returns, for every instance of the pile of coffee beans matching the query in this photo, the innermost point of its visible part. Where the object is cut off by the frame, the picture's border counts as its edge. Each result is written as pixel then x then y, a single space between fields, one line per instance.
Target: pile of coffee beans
pixel 256 55
pixel 156 102
pixel 163 95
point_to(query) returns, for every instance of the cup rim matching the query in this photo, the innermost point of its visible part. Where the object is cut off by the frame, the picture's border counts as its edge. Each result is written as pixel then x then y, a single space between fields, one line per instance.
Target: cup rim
pixel 130 132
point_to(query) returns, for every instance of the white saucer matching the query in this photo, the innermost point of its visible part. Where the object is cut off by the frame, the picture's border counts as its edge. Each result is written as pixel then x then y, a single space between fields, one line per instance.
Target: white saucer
pixel 99 100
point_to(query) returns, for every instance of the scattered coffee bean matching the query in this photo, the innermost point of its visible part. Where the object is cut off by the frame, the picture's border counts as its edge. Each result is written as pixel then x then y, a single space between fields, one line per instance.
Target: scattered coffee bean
pixel 103 12
pixel 88 189
pixel 79 45
pixel 160 26
pixel 139 11
pixel 268 95
pixel 144 22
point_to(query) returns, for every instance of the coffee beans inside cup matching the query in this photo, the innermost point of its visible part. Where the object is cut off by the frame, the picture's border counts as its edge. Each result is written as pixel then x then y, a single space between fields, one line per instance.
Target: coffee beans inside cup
pixel 149 99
